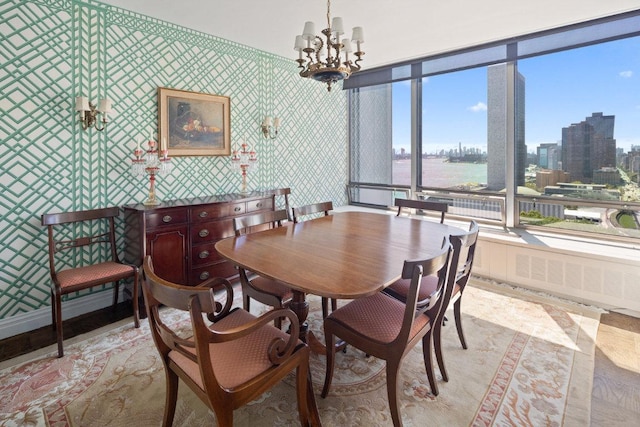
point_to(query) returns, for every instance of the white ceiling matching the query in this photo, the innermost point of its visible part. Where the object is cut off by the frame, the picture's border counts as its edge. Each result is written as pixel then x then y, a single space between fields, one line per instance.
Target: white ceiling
pixel 394 30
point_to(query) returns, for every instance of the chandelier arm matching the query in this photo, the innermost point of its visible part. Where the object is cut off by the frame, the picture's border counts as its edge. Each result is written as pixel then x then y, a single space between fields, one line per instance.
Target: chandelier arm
pixel 318 49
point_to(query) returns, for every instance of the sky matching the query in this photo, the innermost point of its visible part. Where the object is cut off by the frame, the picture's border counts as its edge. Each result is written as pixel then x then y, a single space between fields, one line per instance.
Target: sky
pixel 560 89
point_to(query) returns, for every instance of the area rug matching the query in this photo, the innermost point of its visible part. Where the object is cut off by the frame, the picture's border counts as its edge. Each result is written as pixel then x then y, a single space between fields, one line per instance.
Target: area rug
pixel 529 363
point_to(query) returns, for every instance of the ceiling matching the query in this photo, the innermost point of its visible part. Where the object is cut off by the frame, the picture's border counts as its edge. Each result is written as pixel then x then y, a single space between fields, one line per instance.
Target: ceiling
pixel 394 30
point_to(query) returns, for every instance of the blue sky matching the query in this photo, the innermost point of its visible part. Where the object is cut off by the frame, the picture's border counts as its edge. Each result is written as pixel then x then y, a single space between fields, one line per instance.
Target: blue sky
pixel 561 89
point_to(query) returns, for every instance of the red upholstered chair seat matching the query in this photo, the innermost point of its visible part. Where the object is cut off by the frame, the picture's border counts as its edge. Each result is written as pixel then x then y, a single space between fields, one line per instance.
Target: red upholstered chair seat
pixel 272 287
pixel 400 289
pixel 93 274
pixel 249 352
pixel 363 316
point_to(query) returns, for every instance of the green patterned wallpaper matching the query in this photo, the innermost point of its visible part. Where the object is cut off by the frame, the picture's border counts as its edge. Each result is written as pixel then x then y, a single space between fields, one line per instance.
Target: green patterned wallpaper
pixel 54 50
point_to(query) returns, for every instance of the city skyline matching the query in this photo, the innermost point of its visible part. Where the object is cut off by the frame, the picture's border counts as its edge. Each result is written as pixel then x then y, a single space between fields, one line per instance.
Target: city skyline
pixel 562 89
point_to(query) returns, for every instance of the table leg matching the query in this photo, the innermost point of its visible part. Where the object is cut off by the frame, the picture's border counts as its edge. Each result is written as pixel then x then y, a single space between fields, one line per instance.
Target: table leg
pixel 300 307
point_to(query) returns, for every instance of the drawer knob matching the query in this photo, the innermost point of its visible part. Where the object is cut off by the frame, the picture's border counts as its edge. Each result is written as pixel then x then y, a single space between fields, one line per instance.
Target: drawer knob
pixel 237 209
pixel 204 214
pixel 204 254
pixel 167 218
pixel 203 233
pixel 204 275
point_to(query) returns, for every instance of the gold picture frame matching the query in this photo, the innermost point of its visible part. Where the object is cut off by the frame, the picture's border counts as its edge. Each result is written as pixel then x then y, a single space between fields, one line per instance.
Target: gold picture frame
pixel 193 123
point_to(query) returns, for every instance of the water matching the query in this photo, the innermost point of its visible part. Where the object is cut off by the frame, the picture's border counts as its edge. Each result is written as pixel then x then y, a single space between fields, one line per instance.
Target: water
pixel 440 173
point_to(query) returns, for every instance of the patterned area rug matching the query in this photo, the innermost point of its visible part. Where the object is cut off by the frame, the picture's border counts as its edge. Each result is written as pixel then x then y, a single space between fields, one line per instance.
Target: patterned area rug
pixel 529 363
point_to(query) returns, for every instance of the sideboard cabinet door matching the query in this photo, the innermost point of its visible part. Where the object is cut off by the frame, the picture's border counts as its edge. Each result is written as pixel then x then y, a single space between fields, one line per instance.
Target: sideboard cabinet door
pixel 168 248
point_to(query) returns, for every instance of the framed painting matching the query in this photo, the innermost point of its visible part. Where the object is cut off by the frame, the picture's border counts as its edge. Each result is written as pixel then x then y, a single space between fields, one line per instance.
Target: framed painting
pixel 193 123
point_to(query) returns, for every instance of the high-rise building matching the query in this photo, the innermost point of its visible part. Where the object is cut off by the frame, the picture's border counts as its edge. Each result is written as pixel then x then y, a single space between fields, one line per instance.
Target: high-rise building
pixel 548 156
pixel 588 146
pixel 497 128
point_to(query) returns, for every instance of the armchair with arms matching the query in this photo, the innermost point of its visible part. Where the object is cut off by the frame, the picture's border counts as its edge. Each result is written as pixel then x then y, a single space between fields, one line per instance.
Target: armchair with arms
pixel 231 361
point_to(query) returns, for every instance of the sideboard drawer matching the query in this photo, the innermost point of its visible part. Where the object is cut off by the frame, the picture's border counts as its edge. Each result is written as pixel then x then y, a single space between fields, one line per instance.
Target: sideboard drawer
pixel 166 217
pixel 260 205
pixel 219 210
pixel 222 269
pixel 205 254
pixel 212 231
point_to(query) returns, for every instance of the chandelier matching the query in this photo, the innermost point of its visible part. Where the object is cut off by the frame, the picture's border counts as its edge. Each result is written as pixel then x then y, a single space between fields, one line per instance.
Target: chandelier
pixel 323 61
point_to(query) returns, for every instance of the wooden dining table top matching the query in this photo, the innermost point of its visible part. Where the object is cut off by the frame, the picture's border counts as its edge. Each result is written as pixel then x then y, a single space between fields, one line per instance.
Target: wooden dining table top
pixel 345 255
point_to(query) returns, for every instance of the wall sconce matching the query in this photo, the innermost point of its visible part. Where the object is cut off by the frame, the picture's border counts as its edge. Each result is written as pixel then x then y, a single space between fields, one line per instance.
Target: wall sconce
pixel 89 112
pixel 268 126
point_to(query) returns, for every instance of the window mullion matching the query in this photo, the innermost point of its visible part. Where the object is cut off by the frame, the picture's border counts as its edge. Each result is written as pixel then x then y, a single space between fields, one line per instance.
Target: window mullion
pixel 416 134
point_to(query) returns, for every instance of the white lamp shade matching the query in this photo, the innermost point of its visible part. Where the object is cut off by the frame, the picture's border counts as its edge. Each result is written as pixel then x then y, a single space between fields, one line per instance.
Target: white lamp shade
pixel 346 46
pixel 358 35
pixel 299 44
pixel 82 103
pixel 276 122
pixel 336 26
pixel 309 32
pixel 104 106
pixel 266 121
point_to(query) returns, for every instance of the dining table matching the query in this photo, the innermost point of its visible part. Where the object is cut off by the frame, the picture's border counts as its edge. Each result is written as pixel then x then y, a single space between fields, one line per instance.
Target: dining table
pixel 345 255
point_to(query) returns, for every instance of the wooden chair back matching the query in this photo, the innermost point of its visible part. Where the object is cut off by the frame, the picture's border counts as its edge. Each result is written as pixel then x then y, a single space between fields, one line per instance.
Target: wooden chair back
pixel 423 205
pixel 90 234
pixel 467 254
pixel 415 270
pixel 463 247
pixel 269 219
pixel 285 193
pixel 209 362
pixel 314 208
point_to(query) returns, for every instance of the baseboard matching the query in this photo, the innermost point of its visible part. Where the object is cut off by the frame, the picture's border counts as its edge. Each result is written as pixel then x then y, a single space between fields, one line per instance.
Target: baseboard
pixel 25 322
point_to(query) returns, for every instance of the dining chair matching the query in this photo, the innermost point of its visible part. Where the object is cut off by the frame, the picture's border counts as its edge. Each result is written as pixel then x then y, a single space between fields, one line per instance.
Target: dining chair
pixel 314 209
pixel 267 291
pixel 285 193
pixel 462 269
pixel 83 254
pixel 232 357
pixel 423 205
pixel 383 327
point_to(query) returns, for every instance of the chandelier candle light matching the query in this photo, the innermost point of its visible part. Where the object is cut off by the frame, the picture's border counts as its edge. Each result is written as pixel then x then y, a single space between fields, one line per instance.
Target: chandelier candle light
pixel 151 165
pixel 244 160
pixel 324 60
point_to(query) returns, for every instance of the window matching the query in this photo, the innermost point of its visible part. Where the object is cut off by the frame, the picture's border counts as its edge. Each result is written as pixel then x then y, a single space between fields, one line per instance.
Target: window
pixel 454 131
pixel 583 137
pixel 540 131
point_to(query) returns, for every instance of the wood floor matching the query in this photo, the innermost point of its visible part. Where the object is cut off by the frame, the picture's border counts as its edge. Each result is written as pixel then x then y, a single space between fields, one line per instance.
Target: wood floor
pixel 616 381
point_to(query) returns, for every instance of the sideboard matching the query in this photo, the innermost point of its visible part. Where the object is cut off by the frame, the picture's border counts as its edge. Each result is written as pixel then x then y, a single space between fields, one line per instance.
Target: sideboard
pixel 180 234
